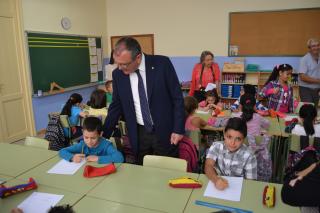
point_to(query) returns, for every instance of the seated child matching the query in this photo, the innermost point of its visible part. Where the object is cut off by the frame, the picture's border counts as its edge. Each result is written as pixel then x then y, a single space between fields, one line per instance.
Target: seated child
pixel 247 89
pixel 308 115
pixel 211 102
pixel 193 122
pixel 93 147
pixel 255 122
pixel 278 91
pixel 231 157
pixel 98 104
pixel 73 109
pixel 109 90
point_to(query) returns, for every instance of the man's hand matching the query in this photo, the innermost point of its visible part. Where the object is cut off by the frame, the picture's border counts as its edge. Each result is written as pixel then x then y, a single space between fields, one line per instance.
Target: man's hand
pixel 175 138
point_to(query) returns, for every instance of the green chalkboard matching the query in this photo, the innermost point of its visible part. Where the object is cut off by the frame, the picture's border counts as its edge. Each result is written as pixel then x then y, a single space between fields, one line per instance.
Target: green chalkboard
pixel 63 59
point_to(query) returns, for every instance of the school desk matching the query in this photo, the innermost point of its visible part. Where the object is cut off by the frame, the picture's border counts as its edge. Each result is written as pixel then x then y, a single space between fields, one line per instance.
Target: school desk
pixel 97 205
pixel 8 203
pixel 73 183
pixel 144 187
pixel 251 199
pixel 17 159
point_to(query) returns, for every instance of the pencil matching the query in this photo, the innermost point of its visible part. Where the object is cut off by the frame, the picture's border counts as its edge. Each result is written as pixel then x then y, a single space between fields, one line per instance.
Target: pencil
pixel 82 149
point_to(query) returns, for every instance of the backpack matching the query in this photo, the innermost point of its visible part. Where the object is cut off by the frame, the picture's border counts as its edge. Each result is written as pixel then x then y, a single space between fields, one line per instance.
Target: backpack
pixel 188 151
pixel 54 133
pixel 264 162
pixel 300 160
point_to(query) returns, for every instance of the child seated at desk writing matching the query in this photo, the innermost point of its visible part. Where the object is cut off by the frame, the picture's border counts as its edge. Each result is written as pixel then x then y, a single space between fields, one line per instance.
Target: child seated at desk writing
pixel 73 109
pixel 93 147
pixel 231 157
pixel 98 104
pixel 251 90
pixel 211 102
pixel 307 115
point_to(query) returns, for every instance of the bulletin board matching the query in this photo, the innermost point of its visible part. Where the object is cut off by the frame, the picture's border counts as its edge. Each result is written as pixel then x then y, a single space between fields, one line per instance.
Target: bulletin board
pixel 273 33
pixel 146 42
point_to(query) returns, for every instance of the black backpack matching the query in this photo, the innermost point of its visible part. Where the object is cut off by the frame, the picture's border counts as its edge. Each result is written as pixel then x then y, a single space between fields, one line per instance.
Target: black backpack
pixel 54 133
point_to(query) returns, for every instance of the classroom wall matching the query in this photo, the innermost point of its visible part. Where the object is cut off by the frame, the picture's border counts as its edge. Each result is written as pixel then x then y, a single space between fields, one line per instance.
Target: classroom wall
pixel 87 18
pixel 186 27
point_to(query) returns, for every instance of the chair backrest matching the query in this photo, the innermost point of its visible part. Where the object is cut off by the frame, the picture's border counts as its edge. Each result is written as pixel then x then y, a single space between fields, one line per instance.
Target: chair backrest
pixel 113 141
pixel 195 136
pixel 165 162
pixel 123 128
pixel 36 142
pixel 296 140
pixel 64 120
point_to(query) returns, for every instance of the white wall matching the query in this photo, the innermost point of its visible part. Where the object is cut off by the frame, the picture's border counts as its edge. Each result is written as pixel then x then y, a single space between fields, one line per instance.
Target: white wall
pixel 186 27
pixel 88 17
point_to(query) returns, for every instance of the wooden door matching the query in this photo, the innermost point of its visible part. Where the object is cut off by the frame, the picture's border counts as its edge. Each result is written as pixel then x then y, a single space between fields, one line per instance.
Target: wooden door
pixel 14 113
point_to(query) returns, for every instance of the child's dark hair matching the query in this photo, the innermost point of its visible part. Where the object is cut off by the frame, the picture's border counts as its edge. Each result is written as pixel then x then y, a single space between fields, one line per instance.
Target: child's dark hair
pixel 308 112
pixel 247 102
pixel 108 83
pixel 92 124
pixel 249 89
pixel 190 105
pixel 98 99
pixel 75 98
pixel 237 124
pixel 276 72
pixel 213 93
pixel 111 61
pixel 61 209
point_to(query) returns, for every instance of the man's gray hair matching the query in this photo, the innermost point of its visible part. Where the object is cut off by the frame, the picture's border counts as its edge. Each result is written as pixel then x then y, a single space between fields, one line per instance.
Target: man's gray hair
pixel 130 44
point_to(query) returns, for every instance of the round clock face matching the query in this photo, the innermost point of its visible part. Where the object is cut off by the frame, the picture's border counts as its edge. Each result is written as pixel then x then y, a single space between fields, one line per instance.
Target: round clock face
pixel 65 23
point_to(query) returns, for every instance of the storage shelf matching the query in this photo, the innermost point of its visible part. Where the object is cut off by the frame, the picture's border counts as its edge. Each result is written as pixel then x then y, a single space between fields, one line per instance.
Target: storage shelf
pixel 233 83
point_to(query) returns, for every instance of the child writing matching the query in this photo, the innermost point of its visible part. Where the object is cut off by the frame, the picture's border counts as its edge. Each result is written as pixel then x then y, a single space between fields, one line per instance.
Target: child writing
pixel 73 109
pixel 231 158
pixel 255 122
pixel 98 103
pixel 308 115
pixel 109 90
pixel 193 122
pixel 211 102
pixel 247 89
pixel 93 147
pixel 277 89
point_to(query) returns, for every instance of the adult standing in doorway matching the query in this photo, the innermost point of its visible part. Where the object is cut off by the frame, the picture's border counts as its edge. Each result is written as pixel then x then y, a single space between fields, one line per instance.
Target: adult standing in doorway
pixel 309 73
pixel 204 72
pixel 146 91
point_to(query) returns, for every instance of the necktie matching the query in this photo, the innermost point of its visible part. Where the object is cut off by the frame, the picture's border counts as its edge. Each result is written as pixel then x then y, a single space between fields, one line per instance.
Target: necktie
pixel 146 115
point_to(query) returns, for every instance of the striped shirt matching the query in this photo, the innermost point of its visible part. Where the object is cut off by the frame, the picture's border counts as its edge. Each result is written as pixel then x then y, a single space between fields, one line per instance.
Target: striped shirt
pixel 241 163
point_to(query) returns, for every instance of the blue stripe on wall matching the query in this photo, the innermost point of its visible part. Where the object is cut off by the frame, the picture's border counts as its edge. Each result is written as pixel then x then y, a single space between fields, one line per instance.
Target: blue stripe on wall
pixel 42 106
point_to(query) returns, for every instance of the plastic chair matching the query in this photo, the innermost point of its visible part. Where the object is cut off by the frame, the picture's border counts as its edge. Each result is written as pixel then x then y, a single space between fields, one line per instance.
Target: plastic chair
pixel 295 144
pixel 123 128
pixel 36 142
pixel 164 162
pixel 113 141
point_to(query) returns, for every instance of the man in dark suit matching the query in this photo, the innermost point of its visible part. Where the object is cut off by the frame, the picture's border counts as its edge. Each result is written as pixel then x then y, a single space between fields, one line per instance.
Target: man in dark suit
pixel 146 91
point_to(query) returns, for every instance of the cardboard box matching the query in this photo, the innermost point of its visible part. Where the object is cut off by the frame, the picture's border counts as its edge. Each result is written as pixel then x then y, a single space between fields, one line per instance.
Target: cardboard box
pixel 230 67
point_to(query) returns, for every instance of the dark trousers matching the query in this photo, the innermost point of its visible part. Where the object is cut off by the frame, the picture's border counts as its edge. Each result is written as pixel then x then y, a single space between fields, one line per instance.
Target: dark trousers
pixel 309 95
pixel 149 144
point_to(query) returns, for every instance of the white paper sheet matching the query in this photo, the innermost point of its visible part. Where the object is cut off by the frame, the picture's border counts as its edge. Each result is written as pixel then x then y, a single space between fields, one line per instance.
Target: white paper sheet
pixel 99 55
pixel 64 167
pixel 210 86
pixel 93 68
pixel 202 112
pixel 92 42
pixel 93 77
pixel 93 50
pixel 233 192
pixel 93 59
pixel 39 202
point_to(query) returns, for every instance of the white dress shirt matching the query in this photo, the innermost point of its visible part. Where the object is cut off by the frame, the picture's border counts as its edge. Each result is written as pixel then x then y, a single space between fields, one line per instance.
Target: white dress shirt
pixel 134 88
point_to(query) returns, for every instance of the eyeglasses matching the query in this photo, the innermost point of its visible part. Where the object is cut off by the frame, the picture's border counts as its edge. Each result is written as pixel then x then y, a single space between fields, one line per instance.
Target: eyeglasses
pixel 126 65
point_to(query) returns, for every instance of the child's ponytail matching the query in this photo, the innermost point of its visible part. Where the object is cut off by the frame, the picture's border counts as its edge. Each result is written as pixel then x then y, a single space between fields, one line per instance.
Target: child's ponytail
pixel 247 102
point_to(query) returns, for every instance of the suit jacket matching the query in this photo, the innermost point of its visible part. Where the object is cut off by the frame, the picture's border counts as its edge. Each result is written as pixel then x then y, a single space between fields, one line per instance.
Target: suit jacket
pixel 164 96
